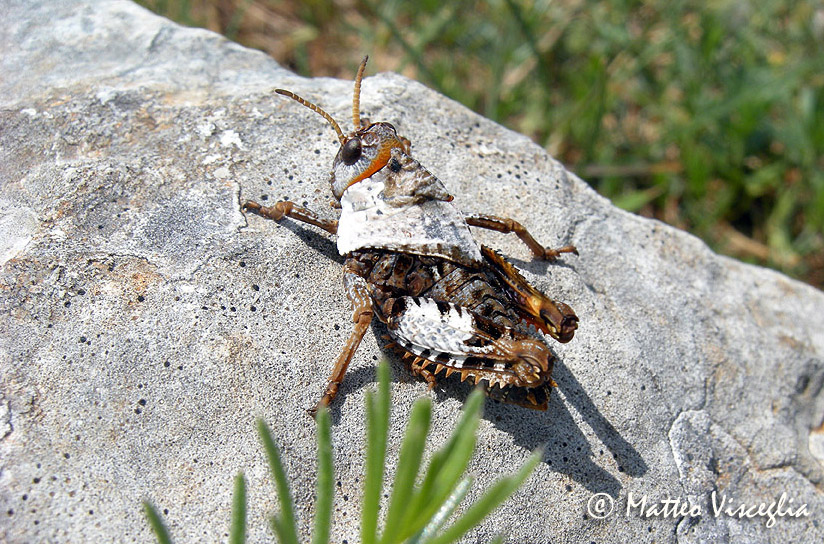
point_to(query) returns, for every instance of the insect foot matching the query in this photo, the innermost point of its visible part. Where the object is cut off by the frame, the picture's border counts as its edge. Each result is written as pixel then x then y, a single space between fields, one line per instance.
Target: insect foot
pixel 451 306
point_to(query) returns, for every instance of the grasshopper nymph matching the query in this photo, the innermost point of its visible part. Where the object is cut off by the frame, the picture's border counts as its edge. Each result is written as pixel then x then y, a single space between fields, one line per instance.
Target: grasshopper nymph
pixel 450 305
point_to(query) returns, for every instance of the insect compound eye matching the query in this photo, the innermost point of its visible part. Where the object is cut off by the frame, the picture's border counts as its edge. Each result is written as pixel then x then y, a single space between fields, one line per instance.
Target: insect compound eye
pixel 351 151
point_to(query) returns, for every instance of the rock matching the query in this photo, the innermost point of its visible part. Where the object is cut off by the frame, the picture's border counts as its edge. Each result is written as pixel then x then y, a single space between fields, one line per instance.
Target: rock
pixel 147 322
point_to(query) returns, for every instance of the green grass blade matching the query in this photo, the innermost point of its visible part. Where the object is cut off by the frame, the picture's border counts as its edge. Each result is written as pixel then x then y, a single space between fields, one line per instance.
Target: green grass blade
pixel 155 521
pixel 326 486
pixel 281 530
pixel 490 500
pixel 445 468
pixel 409 461
pixel 446 510
pixel 377 426
pixel 237 533
pixel 463 443
pixel 286 522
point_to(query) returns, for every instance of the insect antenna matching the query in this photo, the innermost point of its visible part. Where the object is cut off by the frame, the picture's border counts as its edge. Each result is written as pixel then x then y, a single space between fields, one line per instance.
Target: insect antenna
pixel 356 98
pixel 316 109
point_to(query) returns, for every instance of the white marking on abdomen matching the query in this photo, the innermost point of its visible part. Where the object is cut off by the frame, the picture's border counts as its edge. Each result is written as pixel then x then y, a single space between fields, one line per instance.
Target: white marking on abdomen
pixel 424 325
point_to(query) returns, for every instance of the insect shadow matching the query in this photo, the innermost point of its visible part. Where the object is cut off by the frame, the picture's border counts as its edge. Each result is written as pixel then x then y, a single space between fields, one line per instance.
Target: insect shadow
pixel 317 241
pixel 566 449
pixel 537 267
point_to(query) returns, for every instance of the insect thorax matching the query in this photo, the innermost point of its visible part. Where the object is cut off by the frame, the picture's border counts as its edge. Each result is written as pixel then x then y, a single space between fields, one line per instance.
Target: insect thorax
pixel 398 212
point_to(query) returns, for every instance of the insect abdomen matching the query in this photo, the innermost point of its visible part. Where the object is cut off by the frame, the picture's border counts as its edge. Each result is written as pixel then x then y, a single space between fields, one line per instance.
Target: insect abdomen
pixel 453 318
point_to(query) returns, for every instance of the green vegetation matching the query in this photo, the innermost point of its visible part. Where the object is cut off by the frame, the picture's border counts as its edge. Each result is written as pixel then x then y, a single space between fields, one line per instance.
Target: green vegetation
pixel 416 514
pixel 707 115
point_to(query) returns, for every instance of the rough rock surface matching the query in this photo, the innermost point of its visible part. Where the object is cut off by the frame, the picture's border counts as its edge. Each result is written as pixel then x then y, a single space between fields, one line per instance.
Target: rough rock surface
pixel 146 322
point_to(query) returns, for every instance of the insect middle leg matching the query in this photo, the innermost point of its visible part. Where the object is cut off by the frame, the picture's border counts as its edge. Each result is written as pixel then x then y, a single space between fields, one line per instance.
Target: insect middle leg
pixel 506 225
pixel 290 209
pixel 357 291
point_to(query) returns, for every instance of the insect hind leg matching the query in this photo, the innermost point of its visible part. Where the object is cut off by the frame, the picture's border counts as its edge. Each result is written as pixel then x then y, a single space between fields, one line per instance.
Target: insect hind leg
pixel 552 317
pixel 358 294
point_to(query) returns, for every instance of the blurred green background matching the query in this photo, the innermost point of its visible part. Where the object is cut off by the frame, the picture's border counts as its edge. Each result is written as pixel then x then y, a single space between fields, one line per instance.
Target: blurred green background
pixel 706 115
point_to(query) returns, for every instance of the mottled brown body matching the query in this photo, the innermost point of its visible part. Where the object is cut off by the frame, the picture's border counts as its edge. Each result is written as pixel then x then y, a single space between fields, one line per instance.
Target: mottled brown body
pixel 391 275
pixel 480 290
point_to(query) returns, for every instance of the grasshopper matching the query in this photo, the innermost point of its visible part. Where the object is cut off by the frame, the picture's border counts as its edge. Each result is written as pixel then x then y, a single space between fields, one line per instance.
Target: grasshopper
pixel 450 305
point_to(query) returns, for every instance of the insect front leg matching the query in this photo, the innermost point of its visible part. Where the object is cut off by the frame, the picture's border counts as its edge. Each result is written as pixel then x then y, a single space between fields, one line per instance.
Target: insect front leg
pixel 505 225
pixel 290 209
pixel 357 291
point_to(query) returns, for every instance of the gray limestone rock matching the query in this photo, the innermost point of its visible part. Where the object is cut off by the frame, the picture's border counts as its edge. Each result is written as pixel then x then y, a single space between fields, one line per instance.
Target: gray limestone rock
pixel 146 322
